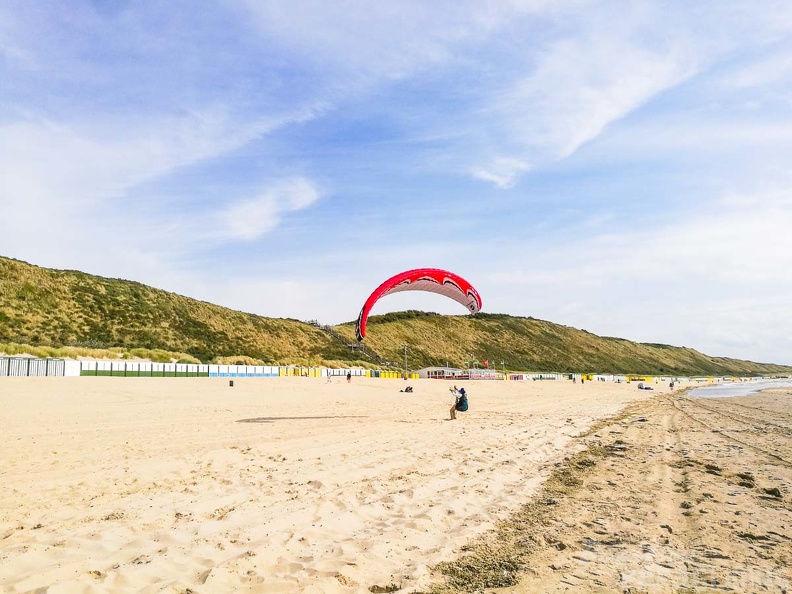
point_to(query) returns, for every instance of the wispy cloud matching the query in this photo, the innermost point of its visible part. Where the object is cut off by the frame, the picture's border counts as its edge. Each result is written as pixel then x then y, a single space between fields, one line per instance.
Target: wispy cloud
pixel 577 88
pixel 769 69
pixel 502 171
pixel 389 41
pixel 685 276
pixel 247 220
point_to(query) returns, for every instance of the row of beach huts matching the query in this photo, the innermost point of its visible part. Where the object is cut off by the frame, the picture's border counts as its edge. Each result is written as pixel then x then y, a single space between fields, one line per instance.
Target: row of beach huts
pixel 32 367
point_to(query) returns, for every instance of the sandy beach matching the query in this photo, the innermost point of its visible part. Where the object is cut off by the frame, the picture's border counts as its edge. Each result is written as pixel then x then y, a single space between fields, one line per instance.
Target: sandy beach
pixel 272 485
pixel 673 495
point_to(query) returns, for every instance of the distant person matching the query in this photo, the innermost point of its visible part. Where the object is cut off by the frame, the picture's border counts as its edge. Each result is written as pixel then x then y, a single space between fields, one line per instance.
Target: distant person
pixel 461 402
pixel 329 377
pixel 349 377
pixel 671 385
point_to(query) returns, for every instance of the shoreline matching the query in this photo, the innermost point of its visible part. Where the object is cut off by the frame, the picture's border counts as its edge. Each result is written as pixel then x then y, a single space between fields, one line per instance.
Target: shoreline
pixel 731 390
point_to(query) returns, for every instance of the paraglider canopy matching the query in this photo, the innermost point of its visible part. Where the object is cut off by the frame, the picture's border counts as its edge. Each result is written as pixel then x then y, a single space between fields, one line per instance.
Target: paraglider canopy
pixel 433 280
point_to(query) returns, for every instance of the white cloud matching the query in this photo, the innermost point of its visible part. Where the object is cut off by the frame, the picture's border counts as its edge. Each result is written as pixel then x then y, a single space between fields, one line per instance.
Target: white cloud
pixel 105 157
pixel 712 278
pixel 502 171
pixel 382 40
pixel 732 240
pixel 776 67
pixel 247 220
pixel 577 88
pixel 77 179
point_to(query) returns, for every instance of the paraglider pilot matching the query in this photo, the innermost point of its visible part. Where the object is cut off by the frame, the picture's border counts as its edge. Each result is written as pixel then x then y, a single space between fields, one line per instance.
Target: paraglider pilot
pixel 461 403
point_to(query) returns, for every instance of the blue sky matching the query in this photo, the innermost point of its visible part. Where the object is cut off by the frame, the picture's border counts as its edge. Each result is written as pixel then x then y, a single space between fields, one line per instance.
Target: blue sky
pixel 623 168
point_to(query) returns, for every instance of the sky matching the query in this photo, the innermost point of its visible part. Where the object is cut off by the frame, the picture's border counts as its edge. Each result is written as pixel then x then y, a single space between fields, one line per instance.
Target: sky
pixel 622 168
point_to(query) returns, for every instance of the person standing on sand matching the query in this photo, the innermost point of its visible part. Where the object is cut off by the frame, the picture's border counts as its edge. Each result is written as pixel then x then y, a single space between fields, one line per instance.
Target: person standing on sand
pixel 349 377
pixel 461 403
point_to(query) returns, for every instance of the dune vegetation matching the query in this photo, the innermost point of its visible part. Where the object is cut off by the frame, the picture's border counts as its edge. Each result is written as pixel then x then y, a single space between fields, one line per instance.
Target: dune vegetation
pixel 70 314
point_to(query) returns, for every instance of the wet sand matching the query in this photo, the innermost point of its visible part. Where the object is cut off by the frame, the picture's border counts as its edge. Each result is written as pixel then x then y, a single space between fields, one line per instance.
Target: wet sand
pixel 283 484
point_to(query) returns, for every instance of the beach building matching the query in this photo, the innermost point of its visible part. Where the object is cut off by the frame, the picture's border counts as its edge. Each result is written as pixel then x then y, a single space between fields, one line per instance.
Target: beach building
pixel 449 373
pixel 453 373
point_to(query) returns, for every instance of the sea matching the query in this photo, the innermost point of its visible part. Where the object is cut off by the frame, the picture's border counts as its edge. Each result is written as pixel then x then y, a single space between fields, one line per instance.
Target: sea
pixel 728 390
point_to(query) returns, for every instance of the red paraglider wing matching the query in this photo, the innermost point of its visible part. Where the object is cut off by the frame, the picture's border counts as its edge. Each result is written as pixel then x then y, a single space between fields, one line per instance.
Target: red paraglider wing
pixel 433 280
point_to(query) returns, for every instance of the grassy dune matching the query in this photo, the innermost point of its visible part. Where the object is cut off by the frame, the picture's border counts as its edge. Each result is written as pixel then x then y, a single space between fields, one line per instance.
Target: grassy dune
pixel 66 313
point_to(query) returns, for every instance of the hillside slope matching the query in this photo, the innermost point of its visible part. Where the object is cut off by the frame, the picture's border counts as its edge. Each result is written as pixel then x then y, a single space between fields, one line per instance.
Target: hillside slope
pixel 40 306
pixel 530 344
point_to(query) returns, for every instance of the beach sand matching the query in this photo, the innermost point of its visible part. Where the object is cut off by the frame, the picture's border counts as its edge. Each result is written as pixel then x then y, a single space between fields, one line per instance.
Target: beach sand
pixel 675 495
pixel 273 485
